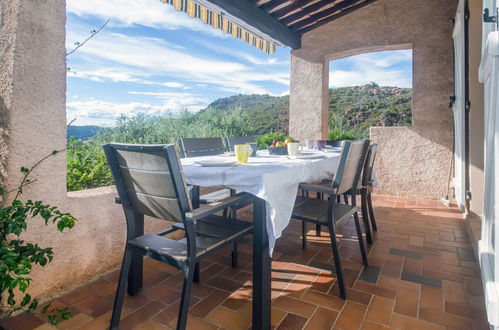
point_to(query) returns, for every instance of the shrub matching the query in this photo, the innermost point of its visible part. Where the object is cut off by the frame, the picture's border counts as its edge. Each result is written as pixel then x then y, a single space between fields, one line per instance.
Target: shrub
pixel 266 140
pixel 87 166
pixel 337 135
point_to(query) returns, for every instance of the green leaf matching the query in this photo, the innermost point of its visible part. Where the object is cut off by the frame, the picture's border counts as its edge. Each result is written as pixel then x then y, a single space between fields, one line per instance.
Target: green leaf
pixel 24 169
pixel 45 308
pixel 26 300
pixel 53 319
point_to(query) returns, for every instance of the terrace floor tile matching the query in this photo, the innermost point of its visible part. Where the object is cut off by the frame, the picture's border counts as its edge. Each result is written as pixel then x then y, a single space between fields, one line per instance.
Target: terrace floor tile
pixel 422 274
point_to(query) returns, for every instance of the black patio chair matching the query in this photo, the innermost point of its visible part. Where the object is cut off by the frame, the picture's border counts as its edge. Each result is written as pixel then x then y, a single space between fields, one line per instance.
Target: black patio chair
pixel 364 189
pixel 231 141
pixel 329 212
pixel 197 147
pixel 149 182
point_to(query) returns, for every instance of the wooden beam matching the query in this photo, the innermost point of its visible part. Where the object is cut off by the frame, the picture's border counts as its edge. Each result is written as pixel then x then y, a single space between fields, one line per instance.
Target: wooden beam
pixel 322 14
pixel 307 10
pixel 269 6
pixel 334 17
pixel 254 17
pixel 292 7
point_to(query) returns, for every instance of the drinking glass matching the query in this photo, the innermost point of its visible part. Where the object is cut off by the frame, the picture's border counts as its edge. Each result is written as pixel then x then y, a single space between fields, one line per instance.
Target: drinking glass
pixel 242 152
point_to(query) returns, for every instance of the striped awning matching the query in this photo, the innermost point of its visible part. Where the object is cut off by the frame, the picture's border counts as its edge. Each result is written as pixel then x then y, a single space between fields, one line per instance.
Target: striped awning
pixel 219 21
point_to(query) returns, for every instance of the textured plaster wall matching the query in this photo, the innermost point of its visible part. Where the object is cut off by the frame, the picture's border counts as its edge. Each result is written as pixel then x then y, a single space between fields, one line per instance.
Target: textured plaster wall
pixel 6 28
pixel 404 166
pixel 32 102
pixel 309 99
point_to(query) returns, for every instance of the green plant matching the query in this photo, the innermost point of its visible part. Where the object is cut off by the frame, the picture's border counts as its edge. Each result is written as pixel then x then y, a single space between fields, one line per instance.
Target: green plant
pixel 86 166
pixel 18 257
pixel 336 134
pixel 266 140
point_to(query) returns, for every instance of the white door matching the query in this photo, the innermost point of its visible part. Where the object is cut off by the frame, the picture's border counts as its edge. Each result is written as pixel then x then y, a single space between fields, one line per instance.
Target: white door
pixel 489 240
pixel 459 107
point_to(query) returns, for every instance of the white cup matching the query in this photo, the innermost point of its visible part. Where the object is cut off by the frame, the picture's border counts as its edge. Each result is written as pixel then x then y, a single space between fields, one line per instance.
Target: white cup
pixel 293 148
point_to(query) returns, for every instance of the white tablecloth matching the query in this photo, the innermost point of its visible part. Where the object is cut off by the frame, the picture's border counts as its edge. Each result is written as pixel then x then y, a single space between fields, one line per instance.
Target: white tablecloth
pixel 274 179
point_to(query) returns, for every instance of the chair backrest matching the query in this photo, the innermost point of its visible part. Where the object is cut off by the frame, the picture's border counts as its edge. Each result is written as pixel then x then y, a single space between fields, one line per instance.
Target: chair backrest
pixel 231 141
pixel 352 161
pixel 369 165
pixel 149 179
pixel 196 147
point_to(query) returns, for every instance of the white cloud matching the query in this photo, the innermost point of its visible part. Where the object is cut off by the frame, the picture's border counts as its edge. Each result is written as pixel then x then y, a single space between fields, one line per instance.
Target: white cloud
pixel 151 13
pixel 145 60
pixel 382 67
pixel 99 112
pixel 177 101
pixel 173 84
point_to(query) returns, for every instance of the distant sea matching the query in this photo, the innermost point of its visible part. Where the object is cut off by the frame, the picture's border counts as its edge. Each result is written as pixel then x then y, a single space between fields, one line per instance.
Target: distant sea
pixel 83 132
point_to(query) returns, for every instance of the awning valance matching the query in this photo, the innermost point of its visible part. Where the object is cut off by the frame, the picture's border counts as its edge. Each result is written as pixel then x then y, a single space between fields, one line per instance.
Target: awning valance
pixel 219 21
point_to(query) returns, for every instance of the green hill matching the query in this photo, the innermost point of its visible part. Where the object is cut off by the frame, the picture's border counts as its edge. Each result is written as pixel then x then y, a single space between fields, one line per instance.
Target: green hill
pixel 267 113
pixel 351 109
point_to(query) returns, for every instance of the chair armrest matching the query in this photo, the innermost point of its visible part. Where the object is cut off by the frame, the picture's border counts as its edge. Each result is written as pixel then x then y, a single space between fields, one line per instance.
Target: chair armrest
pixel 317 188
pixel 208 209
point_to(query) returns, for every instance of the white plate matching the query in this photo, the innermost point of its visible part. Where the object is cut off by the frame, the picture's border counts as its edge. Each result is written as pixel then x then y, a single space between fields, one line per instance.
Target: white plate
pixel 309 155
pixel 216 163
pixel 331 149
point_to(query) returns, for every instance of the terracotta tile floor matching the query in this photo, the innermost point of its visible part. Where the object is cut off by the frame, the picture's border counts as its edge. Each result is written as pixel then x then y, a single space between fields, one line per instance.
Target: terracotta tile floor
pixel 422 275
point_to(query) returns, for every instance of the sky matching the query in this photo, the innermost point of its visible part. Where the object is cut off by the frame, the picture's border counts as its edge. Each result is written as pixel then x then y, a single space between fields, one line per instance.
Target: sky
pixel 152 59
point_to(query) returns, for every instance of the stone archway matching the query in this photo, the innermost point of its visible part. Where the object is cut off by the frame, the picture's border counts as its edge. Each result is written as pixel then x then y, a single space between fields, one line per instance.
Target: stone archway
pixel 412 161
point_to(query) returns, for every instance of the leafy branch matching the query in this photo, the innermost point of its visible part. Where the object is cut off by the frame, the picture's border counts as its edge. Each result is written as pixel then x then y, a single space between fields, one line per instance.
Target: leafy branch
pixel 92 34
pixel 18 257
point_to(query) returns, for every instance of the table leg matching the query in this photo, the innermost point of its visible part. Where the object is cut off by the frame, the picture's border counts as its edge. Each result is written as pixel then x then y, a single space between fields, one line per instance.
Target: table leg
pixel 261 267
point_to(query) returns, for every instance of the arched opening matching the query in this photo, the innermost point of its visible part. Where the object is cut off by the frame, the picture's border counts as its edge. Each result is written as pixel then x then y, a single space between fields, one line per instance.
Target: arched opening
pixel 370 89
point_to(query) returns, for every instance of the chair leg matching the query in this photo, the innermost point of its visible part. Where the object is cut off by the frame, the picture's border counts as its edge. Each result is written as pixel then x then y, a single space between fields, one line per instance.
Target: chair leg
pixel 337 263
pixel 338 199
pixel 234 255
pixel 365 216
pixel 197 273
pixel 186 295
pixel 317 226
pixel 371 212
pixel 303 235
pixel 345 197
pixel 120 292
pixel 361 239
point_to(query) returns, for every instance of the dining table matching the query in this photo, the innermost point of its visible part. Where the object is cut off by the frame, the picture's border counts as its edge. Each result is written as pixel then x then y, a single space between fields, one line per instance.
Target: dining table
pixel 273 180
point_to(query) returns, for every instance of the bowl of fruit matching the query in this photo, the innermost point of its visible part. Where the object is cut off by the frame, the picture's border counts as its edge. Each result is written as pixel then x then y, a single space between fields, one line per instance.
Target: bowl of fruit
pixel 279 146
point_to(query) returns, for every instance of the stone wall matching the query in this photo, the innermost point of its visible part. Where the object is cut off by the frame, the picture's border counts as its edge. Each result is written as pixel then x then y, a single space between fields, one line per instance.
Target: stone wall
pixel 404 167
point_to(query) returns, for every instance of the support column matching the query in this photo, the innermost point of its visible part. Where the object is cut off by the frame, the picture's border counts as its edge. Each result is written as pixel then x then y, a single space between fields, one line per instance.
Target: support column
pixel 309 98
pixel 33 94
